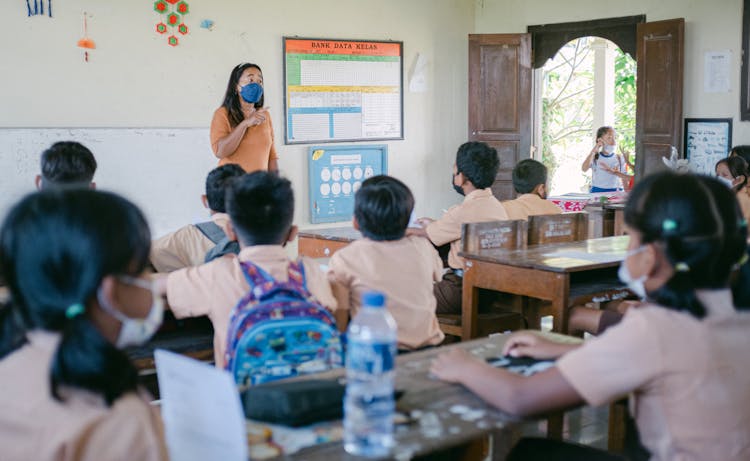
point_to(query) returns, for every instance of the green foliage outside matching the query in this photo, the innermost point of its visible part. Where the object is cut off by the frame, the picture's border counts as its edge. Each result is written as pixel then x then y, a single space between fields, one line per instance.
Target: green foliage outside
pixel 625 102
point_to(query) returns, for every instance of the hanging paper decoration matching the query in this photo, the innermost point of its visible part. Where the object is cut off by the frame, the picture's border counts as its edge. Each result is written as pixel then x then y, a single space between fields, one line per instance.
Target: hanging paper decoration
pixel 38 8
pixel 86 43
pixel 172 19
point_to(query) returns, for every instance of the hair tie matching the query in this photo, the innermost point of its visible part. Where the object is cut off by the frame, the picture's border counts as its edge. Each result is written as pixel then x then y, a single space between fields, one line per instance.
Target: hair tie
pixel 668 225
pixel 743 223
pixel 682 267
pixel 74 310
pixel 743 259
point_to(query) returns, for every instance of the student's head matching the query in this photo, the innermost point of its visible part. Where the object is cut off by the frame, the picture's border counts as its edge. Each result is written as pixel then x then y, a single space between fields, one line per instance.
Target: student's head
pixel 261 208
pixel 530 177
pixel 741 151
pixel 608 138
pixel 382 208
pixel 732 171
pixel 243 74
pixel 686 233
pixel 66 164
pixel 71 258
pixel 217 183
pixel 477 164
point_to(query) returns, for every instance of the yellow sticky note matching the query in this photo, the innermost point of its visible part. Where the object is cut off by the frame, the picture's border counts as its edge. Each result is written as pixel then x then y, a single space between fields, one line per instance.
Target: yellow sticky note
pixel 318 153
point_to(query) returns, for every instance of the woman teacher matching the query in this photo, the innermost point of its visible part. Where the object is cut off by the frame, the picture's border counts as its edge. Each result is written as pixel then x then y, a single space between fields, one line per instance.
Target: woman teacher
pixel 241 130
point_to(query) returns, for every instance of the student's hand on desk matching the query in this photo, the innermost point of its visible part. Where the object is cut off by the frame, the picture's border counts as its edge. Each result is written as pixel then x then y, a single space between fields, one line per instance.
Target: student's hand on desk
pixel 531 344
pixel 453 365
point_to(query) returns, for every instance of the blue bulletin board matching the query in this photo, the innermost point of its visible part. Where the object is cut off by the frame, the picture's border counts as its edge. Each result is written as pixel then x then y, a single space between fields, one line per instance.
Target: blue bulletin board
pixel 336 173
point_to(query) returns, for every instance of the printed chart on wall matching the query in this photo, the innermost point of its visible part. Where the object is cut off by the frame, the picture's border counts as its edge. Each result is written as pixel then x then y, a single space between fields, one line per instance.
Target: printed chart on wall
pixel 342 90
pixel 707 140
pixel 336 174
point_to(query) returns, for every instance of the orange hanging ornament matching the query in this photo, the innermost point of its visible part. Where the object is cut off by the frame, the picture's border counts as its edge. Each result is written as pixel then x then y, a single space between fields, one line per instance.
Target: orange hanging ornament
pixel 86 43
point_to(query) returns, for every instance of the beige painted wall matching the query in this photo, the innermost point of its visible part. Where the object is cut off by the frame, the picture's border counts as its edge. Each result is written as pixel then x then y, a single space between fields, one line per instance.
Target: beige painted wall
pixel 710 25
pixel 134 79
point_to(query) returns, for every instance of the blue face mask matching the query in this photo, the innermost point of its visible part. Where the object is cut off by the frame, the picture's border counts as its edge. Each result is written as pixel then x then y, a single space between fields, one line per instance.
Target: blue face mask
pixel 251 92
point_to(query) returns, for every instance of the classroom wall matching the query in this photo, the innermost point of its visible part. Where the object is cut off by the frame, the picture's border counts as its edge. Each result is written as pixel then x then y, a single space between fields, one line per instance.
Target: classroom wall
pixel 710 25
pixel 135 80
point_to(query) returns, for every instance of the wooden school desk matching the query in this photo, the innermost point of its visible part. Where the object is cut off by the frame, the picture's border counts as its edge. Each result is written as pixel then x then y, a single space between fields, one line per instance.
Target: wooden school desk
pixel 582 271
pixel 443 414
pixel 323 243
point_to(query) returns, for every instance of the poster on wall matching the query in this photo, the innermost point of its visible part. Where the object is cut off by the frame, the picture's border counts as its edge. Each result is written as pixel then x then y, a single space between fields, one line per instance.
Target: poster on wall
pixel 707 140
pixel 336 174
pixel 342 90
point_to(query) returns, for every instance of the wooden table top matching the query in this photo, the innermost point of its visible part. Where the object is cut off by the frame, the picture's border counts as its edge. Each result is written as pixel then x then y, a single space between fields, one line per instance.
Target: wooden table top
pixel 559 257
pixel 340 234
pixel 442 414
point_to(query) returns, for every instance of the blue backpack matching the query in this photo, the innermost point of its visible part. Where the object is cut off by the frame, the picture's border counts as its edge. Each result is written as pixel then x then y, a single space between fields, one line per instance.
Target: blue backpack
pixel 278 330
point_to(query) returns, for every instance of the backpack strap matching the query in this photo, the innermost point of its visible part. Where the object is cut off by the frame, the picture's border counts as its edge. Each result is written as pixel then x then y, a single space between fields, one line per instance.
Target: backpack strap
pixel 211 230
pixel 254 275
pixel 296 277
pixel 224 247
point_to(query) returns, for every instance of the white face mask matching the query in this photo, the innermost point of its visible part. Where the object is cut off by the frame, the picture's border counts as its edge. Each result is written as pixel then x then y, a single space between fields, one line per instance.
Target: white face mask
pixel 609 148
pixel 728 182
pixel 135 331
pixel 635 285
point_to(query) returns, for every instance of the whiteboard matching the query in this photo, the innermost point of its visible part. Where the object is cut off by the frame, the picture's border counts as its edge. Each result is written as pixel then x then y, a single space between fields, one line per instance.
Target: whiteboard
pixel 162 170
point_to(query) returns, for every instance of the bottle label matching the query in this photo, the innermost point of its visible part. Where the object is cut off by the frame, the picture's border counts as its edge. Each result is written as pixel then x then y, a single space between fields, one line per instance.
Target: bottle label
pixel 374 358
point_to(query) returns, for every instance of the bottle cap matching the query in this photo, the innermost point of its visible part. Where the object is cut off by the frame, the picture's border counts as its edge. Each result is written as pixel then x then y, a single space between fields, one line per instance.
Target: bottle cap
pixel 373 299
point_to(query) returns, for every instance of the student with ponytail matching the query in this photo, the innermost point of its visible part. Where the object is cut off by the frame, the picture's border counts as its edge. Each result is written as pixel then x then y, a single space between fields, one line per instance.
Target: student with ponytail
pixel 72 260
pixel 682 356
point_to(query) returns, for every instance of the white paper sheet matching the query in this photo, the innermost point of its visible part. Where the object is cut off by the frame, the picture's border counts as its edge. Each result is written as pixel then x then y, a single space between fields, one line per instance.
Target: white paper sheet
pixel 716 71
pixel 201 409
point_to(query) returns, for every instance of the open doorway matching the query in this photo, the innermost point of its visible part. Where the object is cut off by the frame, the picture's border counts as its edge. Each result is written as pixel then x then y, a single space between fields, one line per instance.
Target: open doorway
pixel 590 82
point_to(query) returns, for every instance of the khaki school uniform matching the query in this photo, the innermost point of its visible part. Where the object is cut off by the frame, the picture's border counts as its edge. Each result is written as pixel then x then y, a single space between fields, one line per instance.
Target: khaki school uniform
pixel 479 206
pixel 184 247
pixel 689 378
pixel 529 205
pixel 35 426
pixel 404 271
pixel 213 289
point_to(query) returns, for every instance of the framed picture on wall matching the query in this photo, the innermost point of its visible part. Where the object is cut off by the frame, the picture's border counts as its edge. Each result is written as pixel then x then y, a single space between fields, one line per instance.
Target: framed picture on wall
pixel 707 140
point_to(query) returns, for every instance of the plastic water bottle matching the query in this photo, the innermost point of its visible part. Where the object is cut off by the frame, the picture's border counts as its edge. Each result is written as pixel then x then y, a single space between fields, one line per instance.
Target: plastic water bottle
pixel 370 372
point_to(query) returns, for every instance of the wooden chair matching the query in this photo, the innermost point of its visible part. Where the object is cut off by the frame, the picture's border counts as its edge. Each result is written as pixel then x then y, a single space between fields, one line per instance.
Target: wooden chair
pixel 566 228
pixel 508 235
pixel 558 228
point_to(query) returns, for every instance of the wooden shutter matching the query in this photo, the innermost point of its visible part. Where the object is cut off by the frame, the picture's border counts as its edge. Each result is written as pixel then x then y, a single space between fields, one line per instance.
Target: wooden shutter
pixel 659 95
pixel 500 100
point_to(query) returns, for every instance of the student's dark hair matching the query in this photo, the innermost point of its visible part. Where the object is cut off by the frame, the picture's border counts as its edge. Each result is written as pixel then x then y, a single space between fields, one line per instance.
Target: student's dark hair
pixel 232 99
pixel 528 174
pixel 737 166
pixel 741 151
pixel 697 225
pixel 478 162
pixel 383 206
pixel 67 163
pixel 217 182
pixel 55 248
pixel 601 131
pixel 261 207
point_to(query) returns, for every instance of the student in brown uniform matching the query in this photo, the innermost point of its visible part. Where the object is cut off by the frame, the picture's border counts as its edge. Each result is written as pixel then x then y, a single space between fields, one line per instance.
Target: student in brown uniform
pixel 402 267
pixel 682 356
pixel 261 209
pixel 473 174
pixel 530 180
pixel 73 260
pixel 188 245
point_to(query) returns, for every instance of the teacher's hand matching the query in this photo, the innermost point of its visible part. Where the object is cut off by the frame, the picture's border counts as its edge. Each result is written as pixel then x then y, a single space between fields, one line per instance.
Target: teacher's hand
pixel 256 117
